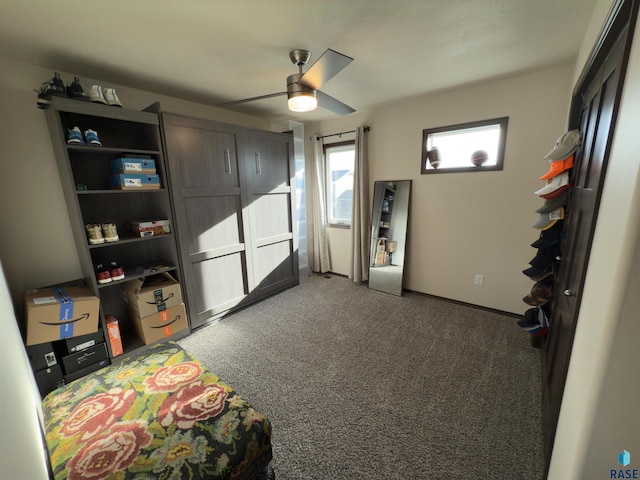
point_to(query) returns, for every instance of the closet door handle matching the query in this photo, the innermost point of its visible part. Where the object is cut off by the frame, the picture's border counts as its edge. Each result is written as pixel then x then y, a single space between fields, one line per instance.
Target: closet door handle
pixel 227 161
pixel 258 167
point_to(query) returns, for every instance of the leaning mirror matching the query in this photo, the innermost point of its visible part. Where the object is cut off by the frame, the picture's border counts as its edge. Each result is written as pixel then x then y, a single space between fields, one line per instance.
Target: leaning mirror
pixel 389 235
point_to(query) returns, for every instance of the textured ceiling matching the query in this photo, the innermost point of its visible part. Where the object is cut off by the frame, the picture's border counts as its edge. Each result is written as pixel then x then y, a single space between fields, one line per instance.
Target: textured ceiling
pixel 222 50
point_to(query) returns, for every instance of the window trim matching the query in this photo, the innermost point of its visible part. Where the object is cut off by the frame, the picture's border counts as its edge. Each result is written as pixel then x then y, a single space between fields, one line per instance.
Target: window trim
pixel 502 121
pixel 327 181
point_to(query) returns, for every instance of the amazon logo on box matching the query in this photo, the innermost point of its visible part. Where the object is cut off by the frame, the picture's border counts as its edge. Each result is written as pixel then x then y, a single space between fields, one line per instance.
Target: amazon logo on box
pixel 60 312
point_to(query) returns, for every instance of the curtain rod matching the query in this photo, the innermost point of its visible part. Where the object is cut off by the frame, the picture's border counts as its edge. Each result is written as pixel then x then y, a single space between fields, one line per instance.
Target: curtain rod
pixel 366 129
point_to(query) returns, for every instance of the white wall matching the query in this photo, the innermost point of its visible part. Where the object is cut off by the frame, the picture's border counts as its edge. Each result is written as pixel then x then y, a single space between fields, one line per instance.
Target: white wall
pixel 36 245
pixel 22 454
pixel 467 223
pixel 599 413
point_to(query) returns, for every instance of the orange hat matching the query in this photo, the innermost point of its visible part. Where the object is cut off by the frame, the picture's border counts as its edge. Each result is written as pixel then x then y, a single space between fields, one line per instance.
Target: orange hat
pixel 557 167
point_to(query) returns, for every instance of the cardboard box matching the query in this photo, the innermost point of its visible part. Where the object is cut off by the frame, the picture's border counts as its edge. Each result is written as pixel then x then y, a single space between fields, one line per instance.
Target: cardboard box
pixel 149 295
pixel 135 181
pixel 113 329
pixel 83 342
pixel 133 165
pixel 59 313
pixel 149 228
pixel 161 324
pixel 84 358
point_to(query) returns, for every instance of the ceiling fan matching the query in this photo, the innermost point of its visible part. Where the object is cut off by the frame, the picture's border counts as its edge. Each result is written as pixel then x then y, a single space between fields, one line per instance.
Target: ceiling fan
pixel 303 94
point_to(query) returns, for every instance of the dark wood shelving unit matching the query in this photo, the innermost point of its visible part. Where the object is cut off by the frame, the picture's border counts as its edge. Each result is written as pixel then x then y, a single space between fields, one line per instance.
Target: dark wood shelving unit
pixel 84 174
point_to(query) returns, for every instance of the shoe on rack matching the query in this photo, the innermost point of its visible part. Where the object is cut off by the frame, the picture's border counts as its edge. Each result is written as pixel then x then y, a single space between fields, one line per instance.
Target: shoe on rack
pixel 91 137
pixel 116 271
pixel 74 136
pixel 94 234
pixel 75 90
pixel 102 274
pixel 96 95
pixel 110 232
pixel 53 87
pixel 111 97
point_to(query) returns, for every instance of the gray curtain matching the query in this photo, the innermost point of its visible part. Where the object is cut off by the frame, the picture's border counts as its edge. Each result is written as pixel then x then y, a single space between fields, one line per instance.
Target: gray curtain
pixel 318 244
pixel 360 214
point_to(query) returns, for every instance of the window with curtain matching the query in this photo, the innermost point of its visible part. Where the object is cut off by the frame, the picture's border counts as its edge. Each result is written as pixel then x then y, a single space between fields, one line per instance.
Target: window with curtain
pixel 339 171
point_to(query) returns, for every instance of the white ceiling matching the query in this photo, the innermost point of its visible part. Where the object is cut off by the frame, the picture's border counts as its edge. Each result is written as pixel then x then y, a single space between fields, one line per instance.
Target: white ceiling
pixel 221 50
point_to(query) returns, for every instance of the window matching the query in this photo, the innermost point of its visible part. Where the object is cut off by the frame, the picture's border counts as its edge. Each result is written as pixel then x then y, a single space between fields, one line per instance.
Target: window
pixel 339 163
pixel 468 147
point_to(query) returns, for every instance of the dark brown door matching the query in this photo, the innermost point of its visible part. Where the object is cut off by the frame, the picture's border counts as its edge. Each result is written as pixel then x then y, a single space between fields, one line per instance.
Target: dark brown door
pixel 594 111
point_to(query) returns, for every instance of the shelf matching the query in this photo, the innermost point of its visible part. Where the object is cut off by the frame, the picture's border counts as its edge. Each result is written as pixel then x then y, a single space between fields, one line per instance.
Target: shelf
pixel 131 273
pixel 108 150
pixel 114 191
pixel 81 107
pixel 126 240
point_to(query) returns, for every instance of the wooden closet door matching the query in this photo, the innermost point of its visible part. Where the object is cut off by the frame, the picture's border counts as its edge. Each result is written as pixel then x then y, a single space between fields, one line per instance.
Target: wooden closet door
pixel 270 169
pixel 206 183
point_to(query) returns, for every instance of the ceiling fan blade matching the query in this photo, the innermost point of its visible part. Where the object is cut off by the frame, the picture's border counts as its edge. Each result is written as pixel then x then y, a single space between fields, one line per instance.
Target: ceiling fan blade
pixel 245 100
pixel 324 69
pixel 330 103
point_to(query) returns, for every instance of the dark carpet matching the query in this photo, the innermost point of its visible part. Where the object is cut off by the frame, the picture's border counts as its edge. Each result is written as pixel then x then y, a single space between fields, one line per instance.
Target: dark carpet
pixel 360 384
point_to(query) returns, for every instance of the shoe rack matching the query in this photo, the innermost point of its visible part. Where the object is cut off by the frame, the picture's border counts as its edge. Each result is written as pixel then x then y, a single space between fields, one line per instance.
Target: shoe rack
pixel 85 173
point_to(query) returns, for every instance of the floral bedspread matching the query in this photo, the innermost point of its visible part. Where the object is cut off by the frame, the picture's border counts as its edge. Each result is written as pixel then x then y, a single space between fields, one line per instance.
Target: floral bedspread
pixel 160 415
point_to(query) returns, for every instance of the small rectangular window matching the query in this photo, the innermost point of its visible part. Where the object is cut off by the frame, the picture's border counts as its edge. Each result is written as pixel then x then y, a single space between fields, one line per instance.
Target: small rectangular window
pixel 339 164
pixel 468 147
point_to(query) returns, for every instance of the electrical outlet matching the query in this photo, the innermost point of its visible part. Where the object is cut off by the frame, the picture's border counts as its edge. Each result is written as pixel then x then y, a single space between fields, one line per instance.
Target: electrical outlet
pixel 479 280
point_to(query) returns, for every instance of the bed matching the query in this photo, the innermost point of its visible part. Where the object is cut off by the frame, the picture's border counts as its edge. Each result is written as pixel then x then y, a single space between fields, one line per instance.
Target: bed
pixel 158 415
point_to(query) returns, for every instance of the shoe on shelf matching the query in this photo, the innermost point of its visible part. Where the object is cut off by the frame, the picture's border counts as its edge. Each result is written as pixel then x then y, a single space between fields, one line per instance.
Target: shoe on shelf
pixel 53 87
pixel 75 90
pixel 102 274
pixel 96 95
pixel 110 232
pixel 116 271
pixel 91 137
pixel 111 97
pixel 74 136
pixel 94 234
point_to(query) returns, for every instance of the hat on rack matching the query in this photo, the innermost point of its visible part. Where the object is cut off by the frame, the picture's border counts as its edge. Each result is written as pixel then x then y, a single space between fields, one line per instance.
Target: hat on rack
pixel 565 146
pixel 557 193
pixel 554 203
pixel 545 256
pixel 554 184
pixel 539 273
pixel 534 318
pixel 548 220
pixel 557 167
pixel 549 237
pixel 540 293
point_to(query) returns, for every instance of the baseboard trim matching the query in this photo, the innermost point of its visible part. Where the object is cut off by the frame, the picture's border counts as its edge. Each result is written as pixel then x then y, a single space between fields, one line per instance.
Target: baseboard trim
pixel 466 304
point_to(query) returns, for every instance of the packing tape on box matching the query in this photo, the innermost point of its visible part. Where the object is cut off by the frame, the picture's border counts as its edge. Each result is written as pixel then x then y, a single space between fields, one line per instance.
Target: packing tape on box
pixel 66 312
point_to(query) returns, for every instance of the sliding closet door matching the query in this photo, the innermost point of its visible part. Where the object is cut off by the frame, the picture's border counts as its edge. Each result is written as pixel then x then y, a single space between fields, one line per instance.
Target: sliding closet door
pixel 206 184
pixel 269 162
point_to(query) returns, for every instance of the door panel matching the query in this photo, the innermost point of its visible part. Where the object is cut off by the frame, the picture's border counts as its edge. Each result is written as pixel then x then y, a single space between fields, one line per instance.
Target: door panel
pixel 212 222
pixel 272 215
pixel 221 285
pixel 207 157
pixel 273 267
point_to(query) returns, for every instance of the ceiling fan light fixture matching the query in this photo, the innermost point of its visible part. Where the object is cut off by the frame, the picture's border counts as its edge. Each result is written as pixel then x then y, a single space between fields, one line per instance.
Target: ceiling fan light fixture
pixel 302 101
